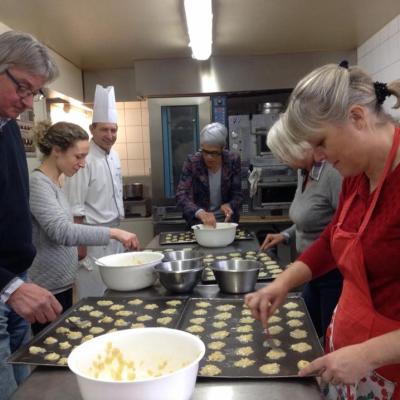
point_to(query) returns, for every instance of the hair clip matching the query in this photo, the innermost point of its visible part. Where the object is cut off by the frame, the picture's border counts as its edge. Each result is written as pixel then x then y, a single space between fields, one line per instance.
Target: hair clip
pixel 344 64
pixel 381 92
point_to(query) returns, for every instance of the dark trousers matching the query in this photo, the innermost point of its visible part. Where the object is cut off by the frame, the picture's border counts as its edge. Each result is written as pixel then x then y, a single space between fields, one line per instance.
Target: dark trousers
pixel 65 299
pixel 321 296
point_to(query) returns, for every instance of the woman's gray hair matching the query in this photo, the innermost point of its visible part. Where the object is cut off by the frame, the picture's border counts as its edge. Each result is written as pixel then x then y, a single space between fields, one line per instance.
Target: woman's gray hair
pixel 282 144
pixel 214 134
pixel 326 95
pixel 19 49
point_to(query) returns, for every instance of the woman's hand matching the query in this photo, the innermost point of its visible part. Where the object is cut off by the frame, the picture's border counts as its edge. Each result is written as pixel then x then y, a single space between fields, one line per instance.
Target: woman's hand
pixel 344 366
pixel 227 211
pixel 207 218
pixel 271 240
pixel 265 301
pixel 128 239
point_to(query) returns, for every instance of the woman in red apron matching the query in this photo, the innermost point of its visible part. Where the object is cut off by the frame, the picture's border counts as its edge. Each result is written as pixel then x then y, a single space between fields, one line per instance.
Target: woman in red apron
pixel 363 339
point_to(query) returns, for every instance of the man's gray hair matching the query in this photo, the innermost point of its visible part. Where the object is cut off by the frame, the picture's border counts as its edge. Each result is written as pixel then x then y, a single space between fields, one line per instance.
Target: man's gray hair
pixel 22 50
pixel 214 134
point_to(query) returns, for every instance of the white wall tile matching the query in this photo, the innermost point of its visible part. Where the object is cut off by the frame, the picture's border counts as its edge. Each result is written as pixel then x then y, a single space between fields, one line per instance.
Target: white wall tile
pixel 124 167
pixel 146 150
pixel 134 134
pixel 132 104
pixel 136 167
pixel 145 117
pixel 135 151
pixel 133 116
pixel 120 148
pixel 121 137
pixel 121 117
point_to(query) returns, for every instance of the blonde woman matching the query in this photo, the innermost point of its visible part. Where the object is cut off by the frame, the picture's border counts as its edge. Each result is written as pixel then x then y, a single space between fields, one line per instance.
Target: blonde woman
pixel 312 209
pixel 64 147
pixel 339 111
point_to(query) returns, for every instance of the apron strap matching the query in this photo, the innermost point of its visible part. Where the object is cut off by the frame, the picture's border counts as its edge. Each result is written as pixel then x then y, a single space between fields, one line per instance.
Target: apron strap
pixel 386 170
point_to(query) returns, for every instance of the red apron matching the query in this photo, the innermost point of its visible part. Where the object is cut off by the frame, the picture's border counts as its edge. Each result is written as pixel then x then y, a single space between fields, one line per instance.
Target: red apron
pixel 355 319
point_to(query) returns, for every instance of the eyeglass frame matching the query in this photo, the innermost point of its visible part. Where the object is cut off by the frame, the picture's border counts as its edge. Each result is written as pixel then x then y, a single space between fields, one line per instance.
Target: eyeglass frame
pixel 210 153
pixel 26 91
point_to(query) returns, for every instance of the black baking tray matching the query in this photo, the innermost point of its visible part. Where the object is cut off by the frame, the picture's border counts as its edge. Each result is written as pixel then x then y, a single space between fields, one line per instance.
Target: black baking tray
pixel 187 237
pixel 23 356
pixel 265 273
pixel 288 364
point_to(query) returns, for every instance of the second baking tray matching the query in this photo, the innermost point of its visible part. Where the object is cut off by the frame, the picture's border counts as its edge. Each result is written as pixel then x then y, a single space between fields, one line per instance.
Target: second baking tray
pixel 95 316
pixel 269 270
pixel 234 340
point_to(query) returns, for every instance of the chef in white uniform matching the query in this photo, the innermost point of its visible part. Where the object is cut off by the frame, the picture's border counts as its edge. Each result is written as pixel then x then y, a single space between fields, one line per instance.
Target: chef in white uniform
pixel 95 192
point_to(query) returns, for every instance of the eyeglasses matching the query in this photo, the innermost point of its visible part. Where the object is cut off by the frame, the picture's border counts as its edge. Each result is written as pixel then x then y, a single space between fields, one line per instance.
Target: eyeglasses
pixel 23 91
pixel 210 153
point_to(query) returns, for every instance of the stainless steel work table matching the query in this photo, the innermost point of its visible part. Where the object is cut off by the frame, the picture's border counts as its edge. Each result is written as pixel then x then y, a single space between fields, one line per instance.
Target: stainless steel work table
pixel 60 384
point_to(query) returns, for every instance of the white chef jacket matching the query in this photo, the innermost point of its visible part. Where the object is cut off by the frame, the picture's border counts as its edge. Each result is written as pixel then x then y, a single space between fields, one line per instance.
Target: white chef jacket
pixel 95 191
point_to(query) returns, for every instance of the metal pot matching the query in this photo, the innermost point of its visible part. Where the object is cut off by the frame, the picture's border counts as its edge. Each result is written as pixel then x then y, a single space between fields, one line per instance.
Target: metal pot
pixel 133 191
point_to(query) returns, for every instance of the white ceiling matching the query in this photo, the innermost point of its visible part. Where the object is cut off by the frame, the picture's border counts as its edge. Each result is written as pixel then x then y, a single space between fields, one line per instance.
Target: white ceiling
pixel 97 34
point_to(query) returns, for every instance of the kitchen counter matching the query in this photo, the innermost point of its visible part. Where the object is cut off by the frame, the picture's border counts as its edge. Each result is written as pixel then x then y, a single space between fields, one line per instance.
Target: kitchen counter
pixel 60 384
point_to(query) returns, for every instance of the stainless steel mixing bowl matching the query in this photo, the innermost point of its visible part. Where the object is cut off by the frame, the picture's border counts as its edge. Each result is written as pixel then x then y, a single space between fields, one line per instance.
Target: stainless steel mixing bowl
pixel 183 255
pixel 236 276
pixel 180 276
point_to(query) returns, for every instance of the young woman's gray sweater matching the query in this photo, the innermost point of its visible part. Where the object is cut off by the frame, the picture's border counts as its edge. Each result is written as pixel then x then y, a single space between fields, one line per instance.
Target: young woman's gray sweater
pixel 55 235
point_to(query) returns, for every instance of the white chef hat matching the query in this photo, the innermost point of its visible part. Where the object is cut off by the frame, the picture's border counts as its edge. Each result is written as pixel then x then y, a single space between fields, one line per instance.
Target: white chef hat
pixel 104 108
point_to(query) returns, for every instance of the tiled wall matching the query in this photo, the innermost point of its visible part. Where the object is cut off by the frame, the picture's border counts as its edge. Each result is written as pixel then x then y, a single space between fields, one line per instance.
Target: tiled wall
pixel 133 141
pixel 380 56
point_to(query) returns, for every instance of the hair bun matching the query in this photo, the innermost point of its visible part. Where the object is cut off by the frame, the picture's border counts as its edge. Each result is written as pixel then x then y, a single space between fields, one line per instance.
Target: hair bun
pixel 344 64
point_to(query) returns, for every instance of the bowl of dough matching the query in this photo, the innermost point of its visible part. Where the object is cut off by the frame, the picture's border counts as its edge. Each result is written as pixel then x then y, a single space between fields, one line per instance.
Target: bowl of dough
pixel 222 235
pixel 138 364
pixel 129 271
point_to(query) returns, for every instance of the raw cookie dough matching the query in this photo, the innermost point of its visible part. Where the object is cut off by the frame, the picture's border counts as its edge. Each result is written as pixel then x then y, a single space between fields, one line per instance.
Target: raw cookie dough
pixel 301 347
pixel 210 370
pixel 270 369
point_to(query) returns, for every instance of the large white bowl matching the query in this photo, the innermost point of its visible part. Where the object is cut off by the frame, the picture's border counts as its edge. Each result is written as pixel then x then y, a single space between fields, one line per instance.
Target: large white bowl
pixel 147 348
pixel 123 272
pixel 222 235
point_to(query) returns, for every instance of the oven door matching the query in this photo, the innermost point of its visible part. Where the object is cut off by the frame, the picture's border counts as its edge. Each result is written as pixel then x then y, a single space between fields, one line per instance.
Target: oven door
pixel 274 195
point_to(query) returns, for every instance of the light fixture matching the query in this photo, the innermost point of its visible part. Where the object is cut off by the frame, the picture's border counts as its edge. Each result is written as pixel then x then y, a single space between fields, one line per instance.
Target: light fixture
pixel 199 23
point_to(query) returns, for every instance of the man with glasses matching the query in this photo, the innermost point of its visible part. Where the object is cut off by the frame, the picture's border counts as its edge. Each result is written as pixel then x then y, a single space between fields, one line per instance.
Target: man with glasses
pixel 25 66
pixel 210 186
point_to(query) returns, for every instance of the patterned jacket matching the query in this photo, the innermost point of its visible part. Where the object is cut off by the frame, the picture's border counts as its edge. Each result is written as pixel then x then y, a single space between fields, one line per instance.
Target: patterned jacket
pixel 193 191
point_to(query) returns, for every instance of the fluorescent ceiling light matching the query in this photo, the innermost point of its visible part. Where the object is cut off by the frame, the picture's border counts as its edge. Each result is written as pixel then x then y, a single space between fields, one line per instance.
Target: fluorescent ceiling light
pixel 199 23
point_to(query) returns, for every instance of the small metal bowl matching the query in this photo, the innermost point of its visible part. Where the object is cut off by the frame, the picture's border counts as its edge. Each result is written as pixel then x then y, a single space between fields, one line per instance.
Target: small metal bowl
pixel 180 276
pixel 236 276
pixel 183 255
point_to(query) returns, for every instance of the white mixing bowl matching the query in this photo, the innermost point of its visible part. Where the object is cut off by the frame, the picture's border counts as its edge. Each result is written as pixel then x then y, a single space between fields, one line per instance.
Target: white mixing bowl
pixel 220 236
pixel 148 348
pixel 129 271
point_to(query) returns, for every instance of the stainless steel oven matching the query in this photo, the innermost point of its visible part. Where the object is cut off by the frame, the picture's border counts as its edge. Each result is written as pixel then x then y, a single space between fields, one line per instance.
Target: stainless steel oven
pixel 274 197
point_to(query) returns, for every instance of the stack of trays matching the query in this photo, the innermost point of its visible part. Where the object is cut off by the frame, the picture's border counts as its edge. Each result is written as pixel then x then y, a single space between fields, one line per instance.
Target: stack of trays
pixel 95 316
pixel 234 340
pixel 171 238
pixel 270 269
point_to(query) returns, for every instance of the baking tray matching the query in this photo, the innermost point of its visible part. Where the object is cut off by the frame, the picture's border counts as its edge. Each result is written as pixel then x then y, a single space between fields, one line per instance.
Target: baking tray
pixel 288 364
pixel 23 355
pixel 184 237
pixel 270 268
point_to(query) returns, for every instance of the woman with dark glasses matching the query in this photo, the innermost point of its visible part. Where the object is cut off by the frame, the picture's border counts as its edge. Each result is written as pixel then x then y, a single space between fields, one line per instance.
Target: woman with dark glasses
pixel 209 189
